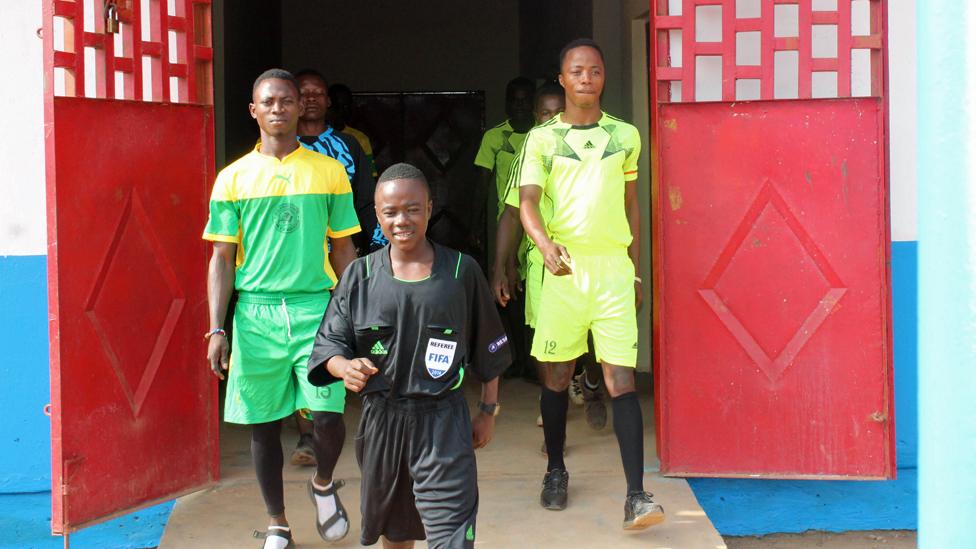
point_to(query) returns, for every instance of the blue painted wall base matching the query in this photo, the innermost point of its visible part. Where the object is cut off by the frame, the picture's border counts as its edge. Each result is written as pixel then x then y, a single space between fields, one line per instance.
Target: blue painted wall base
pixel 25 520
pixel 25 432
pixel 741 507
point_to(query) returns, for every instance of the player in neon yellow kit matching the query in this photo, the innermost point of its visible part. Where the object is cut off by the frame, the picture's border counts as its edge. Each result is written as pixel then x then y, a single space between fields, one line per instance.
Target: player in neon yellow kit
pixel 584 162
pixel 525 264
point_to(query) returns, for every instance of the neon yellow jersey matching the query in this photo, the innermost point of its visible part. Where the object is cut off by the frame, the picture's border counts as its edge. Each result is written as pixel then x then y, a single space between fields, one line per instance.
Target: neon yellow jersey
pixel 364 142
pixel 279 213
pixel 582 171
pixel 527 251
pixel 497 153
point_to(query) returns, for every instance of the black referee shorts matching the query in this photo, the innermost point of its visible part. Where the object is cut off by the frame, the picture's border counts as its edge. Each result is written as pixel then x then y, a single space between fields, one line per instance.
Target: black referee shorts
pixel 420 480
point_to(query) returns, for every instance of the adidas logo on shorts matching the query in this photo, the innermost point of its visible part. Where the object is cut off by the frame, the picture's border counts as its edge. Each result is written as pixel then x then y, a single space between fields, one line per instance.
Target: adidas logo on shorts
pixel 378 349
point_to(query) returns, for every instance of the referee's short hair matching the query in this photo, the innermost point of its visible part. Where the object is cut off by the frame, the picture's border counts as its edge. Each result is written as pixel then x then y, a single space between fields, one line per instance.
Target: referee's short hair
pixel 579 43
pixel 279 74
pixel 402 170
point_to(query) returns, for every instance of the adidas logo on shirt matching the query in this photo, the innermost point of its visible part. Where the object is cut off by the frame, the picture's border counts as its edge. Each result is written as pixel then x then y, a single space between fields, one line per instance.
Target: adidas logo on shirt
pixel 378 349
pixel 589 145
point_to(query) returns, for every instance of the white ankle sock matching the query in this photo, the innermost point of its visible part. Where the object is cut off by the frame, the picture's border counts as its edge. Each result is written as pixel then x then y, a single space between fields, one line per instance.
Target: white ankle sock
pixel 276 542
pixel 326 507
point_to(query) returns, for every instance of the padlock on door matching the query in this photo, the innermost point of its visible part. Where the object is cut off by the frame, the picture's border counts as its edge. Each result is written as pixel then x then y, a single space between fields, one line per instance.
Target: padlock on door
pixel 111 13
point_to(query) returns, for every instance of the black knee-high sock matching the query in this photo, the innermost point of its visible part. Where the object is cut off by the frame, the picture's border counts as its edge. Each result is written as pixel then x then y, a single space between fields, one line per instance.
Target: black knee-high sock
pixel 629 428
pixel 553 406
pixel 328 435
pixel 268 461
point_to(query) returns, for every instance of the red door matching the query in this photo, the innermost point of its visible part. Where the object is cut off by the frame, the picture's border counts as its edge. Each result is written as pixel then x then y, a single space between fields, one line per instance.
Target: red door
pixel 134 417
pixel 771 250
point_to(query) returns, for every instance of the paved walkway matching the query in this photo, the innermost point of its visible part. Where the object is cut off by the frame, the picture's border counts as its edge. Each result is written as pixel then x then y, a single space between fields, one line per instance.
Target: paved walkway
pixel 510 476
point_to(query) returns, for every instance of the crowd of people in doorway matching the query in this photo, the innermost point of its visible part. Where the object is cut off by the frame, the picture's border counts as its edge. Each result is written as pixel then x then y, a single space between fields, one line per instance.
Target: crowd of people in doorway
pixel 339 289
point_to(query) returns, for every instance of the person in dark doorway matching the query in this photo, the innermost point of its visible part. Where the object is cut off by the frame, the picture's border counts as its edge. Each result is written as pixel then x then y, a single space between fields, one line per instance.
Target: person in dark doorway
pixel 405 326
pixel 315 133
pixel 494 160
pixel 342 109
pixel 515 266
pixel 584 162
pixel 270 214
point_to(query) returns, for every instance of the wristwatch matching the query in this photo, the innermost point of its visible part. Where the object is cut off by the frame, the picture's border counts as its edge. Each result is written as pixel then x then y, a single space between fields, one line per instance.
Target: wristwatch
pixel 490 409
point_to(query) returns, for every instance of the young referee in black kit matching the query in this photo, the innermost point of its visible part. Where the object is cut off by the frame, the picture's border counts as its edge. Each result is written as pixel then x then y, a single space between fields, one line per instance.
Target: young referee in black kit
pixel 405 325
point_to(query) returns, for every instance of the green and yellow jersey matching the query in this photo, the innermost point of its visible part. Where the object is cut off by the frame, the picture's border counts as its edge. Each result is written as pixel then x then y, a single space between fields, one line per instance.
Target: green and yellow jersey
pixel 497 153
pixel 582 171
pixel 279 213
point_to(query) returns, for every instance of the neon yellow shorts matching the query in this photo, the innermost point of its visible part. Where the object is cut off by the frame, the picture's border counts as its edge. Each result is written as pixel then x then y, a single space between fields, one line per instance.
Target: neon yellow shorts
pixel 268 378
pixel 597 297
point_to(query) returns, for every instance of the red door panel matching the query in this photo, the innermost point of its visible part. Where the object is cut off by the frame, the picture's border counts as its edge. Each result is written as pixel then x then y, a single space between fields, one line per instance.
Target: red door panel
pixel 772 325
pixel 133 406
pixel 773 334
pixel 133 402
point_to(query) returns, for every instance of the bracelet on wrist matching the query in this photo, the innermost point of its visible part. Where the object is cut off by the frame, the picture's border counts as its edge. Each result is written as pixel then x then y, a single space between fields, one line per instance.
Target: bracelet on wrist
pixel 638 280
pixel 215 331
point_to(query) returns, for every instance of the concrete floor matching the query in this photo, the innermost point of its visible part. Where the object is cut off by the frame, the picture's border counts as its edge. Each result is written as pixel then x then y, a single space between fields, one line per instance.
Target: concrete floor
pixel 510 476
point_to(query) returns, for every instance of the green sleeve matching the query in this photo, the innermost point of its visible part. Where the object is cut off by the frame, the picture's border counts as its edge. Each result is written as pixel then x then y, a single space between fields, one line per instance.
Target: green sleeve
pixel 342 216
pixel 224 223
pixel 512 193
pixel 531 168
pixel 633 154
pixel 486 153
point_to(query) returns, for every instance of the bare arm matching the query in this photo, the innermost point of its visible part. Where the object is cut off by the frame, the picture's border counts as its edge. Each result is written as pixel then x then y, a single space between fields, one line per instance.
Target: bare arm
pixel 343 253
pixel 353 373
pixel 220 285
pixel 509 233
pixel 483 425
pixel 633 219
pixel 556 257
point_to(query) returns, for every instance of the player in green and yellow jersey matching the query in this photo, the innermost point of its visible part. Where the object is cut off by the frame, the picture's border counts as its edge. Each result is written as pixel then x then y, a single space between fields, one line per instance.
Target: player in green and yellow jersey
pixel 270 214
pixel 584 163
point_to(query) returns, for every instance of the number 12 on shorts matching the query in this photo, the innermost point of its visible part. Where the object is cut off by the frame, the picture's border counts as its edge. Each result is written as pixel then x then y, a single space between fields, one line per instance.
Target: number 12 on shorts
pixel 550 347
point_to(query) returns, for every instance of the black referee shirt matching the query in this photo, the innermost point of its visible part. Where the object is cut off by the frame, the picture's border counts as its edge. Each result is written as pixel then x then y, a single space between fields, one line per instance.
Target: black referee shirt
pixel 424 336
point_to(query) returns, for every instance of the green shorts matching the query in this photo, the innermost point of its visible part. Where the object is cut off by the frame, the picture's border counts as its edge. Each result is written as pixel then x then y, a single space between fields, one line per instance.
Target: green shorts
pixel 268 378
pixel 597 297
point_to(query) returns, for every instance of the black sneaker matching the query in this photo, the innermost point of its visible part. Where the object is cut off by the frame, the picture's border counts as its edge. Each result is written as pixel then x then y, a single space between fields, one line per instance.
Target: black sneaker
pixel 555 490
pixel 641 512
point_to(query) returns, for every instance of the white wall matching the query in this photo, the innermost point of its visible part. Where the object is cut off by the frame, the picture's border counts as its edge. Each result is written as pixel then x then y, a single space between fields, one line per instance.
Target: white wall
pixel 23 224
pixel 901 89
pixel 902 96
